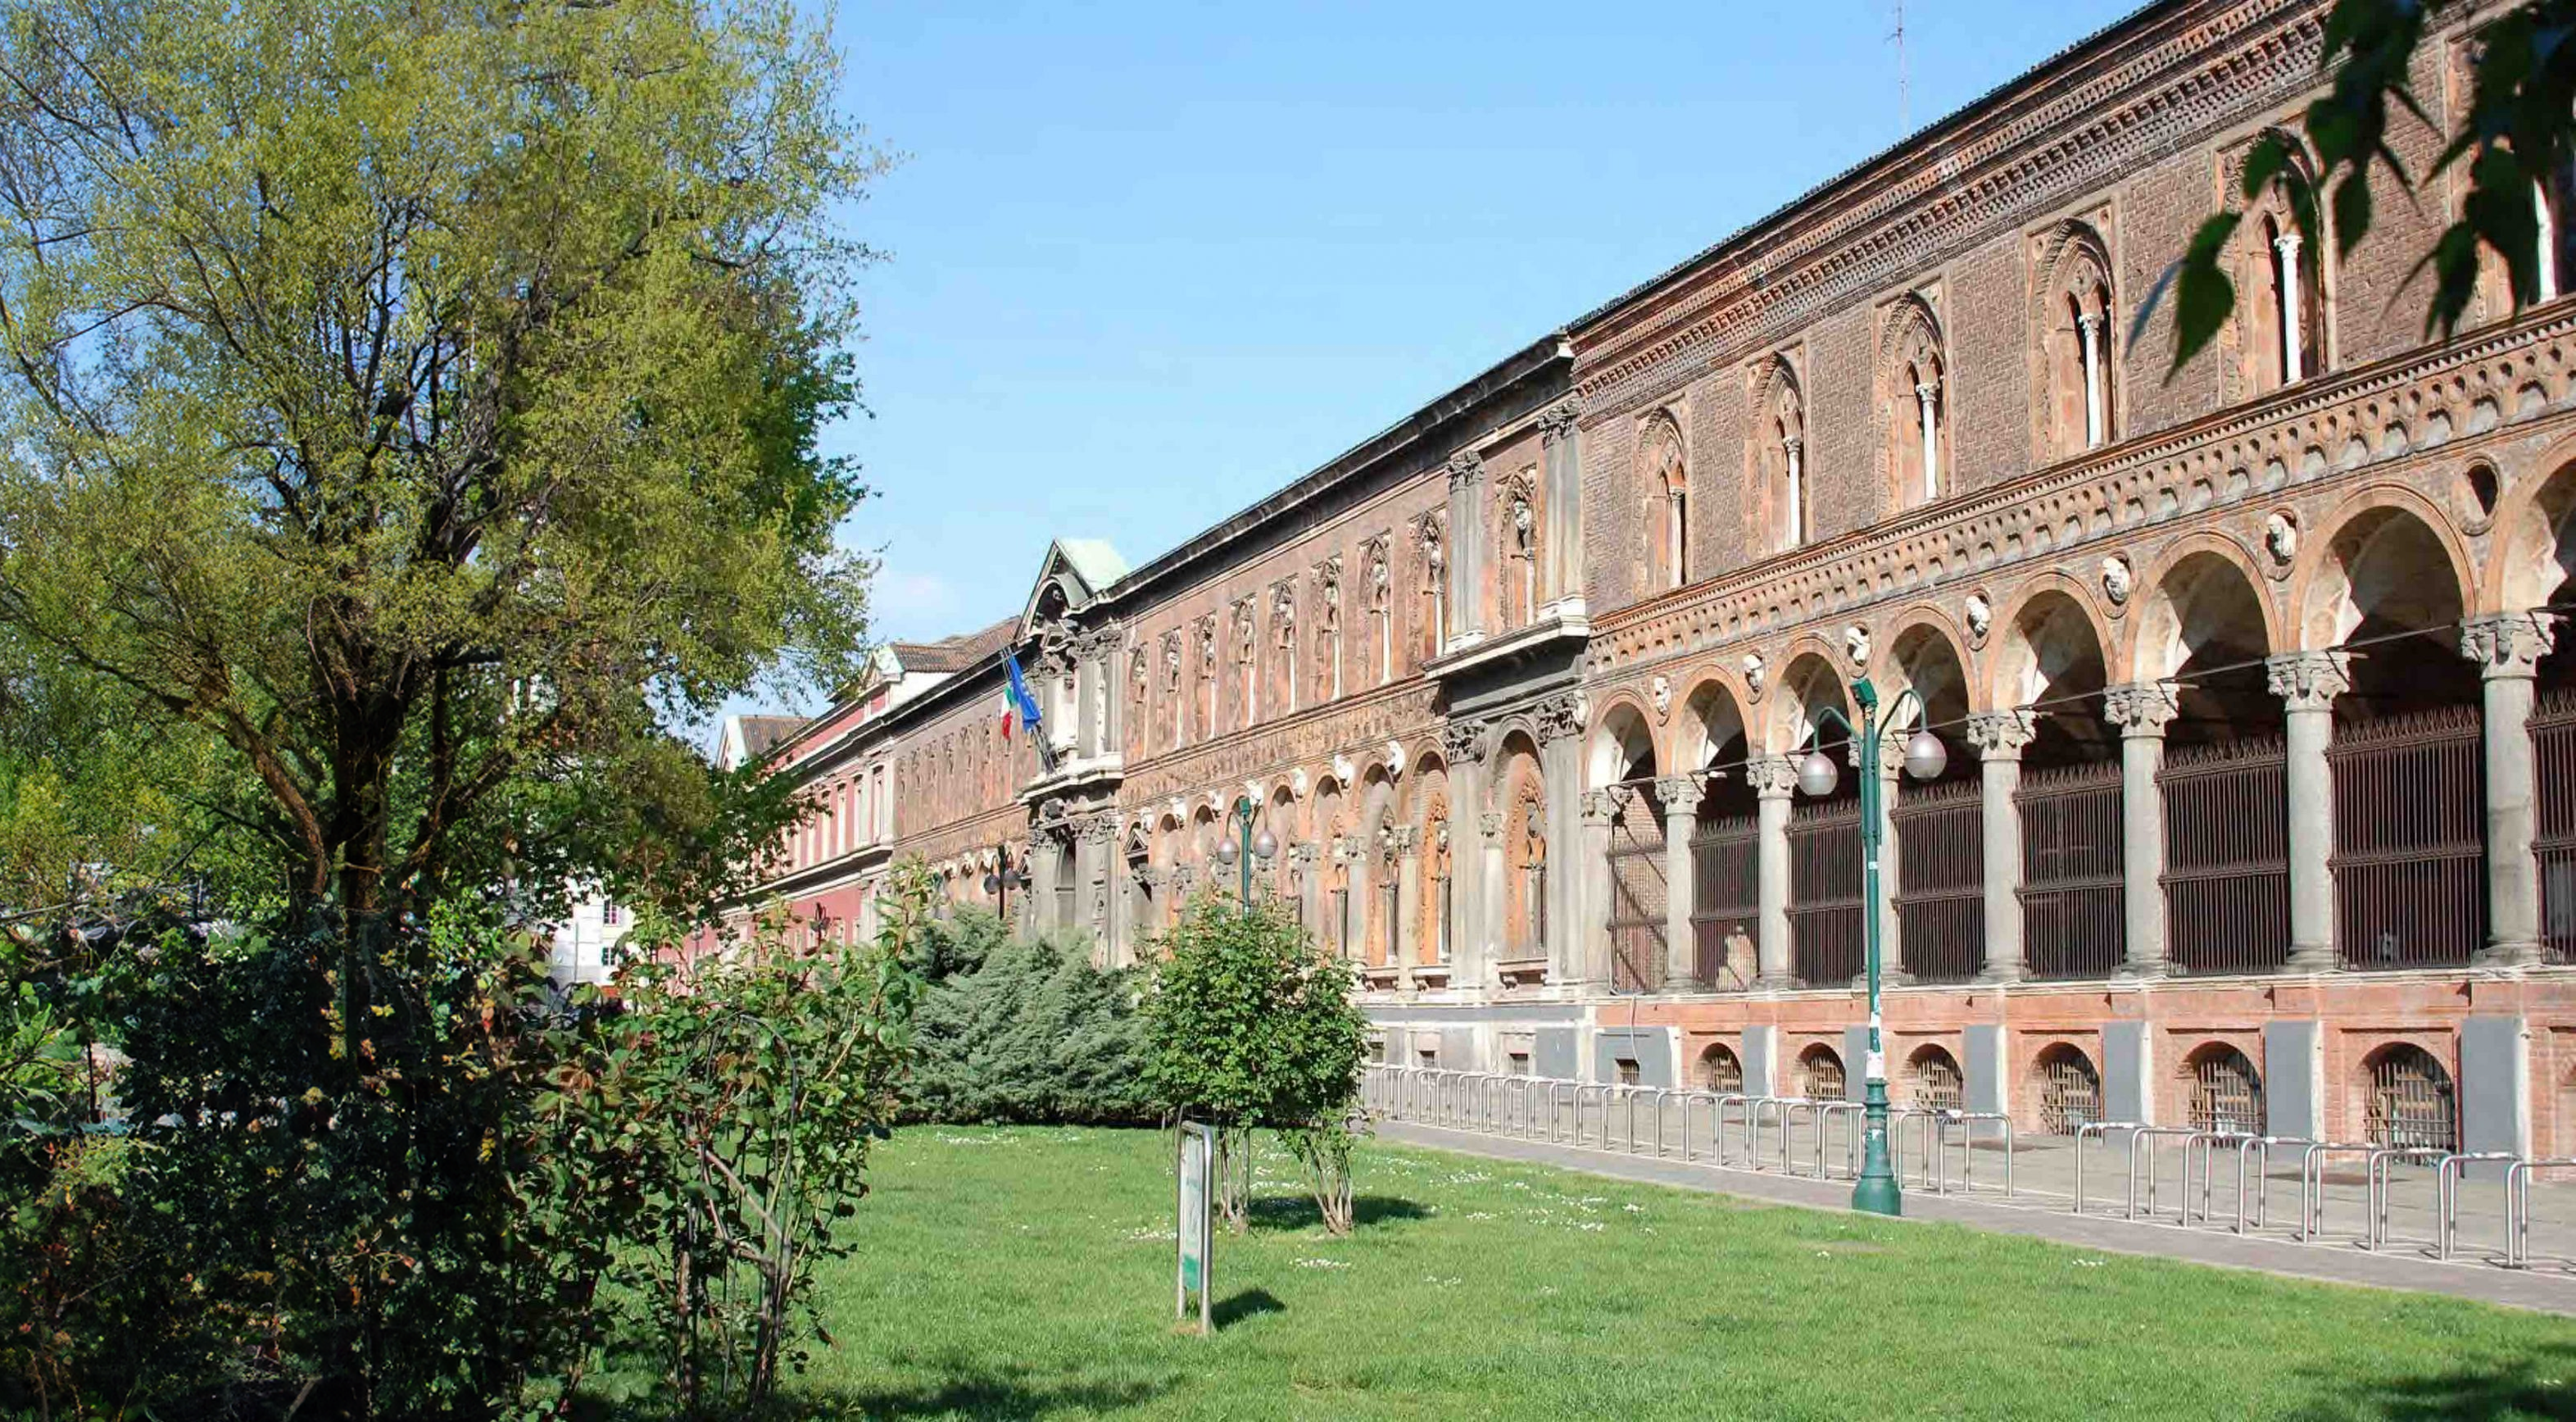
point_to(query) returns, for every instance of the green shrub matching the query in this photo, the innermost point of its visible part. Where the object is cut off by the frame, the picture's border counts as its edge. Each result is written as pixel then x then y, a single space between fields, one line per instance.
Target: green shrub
pixel 1024 1031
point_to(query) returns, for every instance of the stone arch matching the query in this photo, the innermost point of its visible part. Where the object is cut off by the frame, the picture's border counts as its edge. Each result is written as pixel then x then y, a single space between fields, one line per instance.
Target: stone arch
pixel 1711 725
pixel 1718 1069
pixel 2384 566
pixel 2066 1087
pixel 1809 683
pixel 1427 807
pixel 1622 744
pixel 1663 467
pixel 2222 1089
pixel 2534 556
pixel 2074 287
pixel 2206 622
pixel 1519 798
pixel 1926 655
pixel 2406 1096
pixel 1377 808
pixel 1933 1079
pixel 2052 653
pixel 1821 1075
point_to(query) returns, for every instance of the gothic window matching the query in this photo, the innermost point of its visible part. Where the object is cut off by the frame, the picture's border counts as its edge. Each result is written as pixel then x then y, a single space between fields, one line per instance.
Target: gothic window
pixel 1435 873
pixel 1247 685
pixel 1328 627
pixel 1780 472
pixel 1435 585
pixel 1207 677
pixel 2076 356
pixel 1666 466
pixel 1381 607
pixel 2282 308
pixel 1914 403
pixel 1283 641
pixel 1174 716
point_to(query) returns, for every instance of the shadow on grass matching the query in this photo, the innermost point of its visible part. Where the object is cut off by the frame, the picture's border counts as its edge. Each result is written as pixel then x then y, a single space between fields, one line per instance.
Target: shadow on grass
pixel 1296 1212
pixel 2541 1384
pixel 1251 1303
pixel 960 1390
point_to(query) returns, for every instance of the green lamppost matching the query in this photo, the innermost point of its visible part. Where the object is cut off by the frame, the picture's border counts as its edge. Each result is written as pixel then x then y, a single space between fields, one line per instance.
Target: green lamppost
pixel 1262 849
pixel 1876 1190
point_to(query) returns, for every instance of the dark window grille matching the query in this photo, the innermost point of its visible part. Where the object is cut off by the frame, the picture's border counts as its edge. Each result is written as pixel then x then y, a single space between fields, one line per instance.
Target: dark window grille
pixel 2070 1090
pixel 1428 1056
pixel 1726 901
pixel 1824 893
pixel 2411 1100
pixel 2071 865
pixel 1637 951
pixel 1941 882
pixel 2553 753
pixel 1935 1081
pixel 2410 839
pixel 1627 1072
pixel 1719 1070
pixel 1820 1074
pixel 1518 1064
pixel 2227 857
pixel 2226 1092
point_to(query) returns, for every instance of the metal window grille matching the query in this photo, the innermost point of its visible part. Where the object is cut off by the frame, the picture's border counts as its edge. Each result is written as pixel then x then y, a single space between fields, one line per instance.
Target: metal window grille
pixel 1428 1056
pixel 1936 1082
pixel 1637 951
pixel 1627 1072
pixel 2410 839
pixel 2071 892
pixel 2226 1093
pixel 1726 901
pixel 1719 1070
pixel 1820 1074
pixel 2070 1090
pixel 2411 1100
pixel 2553 753
pixel 1824 893
pixel 2227 857
pixel 1941 881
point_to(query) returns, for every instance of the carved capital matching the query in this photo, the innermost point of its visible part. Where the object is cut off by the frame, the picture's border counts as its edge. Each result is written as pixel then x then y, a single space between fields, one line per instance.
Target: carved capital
pixel 2140 708
pixel 1302 856
pixel 1491 822
pixel 2508 644
pixel 2309 681
pixel 1557 421
pixel 1466 469
pixel 1600 807
pixel 1560 716
pixel 1405 840
pixel 2002 735
pixel 1680 794
pixel 1773 777
pixel 1463 742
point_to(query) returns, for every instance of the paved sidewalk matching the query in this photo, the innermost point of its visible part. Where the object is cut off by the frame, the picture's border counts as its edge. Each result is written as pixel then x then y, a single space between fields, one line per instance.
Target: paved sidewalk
pixel 2342 1264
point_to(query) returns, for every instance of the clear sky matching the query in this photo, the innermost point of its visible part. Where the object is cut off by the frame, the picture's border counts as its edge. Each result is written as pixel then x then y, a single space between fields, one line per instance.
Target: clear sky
pixel 1148 263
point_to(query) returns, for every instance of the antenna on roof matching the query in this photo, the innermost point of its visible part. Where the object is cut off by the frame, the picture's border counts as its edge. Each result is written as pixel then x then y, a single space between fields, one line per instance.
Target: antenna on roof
pixel 1904 120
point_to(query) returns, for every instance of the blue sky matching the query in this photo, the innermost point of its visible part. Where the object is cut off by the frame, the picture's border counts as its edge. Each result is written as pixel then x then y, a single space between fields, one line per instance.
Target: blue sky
pixel 1150 262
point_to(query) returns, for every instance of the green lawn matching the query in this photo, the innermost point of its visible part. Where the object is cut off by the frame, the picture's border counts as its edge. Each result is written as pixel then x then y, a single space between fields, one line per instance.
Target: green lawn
pixel 1018 1273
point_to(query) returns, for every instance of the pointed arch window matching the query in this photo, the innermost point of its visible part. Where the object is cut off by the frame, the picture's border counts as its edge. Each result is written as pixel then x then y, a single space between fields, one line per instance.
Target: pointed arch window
pixel 1778 442
pixel 1667 490
pixel 1911 370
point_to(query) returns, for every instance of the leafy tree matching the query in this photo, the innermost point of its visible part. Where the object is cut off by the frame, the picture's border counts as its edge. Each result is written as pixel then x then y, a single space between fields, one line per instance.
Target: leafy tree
pixel 1250 1026
pixel 418 398
pixel 1024 1031
pixel 2518 136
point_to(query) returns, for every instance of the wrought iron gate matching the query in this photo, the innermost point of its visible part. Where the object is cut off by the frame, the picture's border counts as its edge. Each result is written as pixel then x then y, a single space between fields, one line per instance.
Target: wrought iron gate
pixel 1941 888
pixel 1726 902
pixel 2227 857
pixel 1637 945
pixel 2410 839
pixel 2071 859
pixel 1824 893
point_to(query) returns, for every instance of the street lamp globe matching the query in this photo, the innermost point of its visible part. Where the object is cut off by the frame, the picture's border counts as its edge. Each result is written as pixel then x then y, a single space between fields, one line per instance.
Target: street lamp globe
pixel 1264 848
pixel 992 882
pixel 1817 776
pixel 1925 756
pixel 1226 853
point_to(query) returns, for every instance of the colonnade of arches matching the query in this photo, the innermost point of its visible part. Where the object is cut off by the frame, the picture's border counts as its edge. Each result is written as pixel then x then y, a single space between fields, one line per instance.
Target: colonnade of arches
pixel 2352 746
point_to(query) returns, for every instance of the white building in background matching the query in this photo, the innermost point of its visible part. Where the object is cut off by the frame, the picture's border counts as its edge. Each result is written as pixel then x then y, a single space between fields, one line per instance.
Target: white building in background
pixel 586 943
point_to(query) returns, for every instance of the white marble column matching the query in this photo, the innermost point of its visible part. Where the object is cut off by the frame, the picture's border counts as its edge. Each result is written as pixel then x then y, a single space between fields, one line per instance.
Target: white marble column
pixel 2507 648
pixel 1774 779
pixel 2091 324
pixel 1490 901
pixel 1402 934
pixel 1680 796
pixel 2308 683
pixel 2000 737
pixel 2294 356
pixel 1796 523
pixel 2141 711
pixel 1927 398
pixel 1593 927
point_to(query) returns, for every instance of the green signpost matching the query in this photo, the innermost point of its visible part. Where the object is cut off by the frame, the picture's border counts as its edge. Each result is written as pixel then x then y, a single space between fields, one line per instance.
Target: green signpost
pixel 1195 1228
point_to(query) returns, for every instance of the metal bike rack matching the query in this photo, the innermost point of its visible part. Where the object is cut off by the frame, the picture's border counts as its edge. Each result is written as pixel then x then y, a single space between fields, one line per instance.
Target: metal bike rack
pixel 2152 1135
pixel 2376 1182
pixel 1826 1111
pixel 2204 1146
pixel 2446 1194
pixel 2253 1147
pixel 2312 1182
pixel 1967 1122
pixel 1687 1098
pixel 2517 1206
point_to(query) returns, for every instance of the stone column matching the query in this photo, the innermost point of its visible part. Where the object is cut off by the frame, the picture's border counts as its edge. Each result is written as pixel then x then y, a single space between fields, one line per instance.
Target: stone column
pixel 1560 756
pixel 1774 779
pixel 1593 933
pixel 1927 399
pixel 2141 710
pixel 1469 549
pixel 1561 576
pixel 1400 944
pixel 1796 524
pixel 2507 648
pixel 1680 794
pixel 1489 897
pixel 2308 683
pixel 1305 863
pixel 2093 425
pixel 1467 776
pixel 1037 911
pixel 2000 737
pixel 2294 297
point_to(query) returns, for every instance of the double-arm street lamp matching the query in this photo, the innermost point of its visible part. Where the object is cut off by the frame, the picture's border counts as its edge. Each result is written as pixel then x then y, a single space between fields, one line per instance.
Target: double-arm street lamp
pixel 1876 1190
pixel 1263 849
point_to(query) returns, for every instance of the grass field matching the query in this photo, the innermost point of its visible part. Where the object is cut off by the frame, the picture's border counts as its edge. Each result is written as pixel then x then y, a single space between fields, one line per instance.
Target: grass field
pixel 1026 1273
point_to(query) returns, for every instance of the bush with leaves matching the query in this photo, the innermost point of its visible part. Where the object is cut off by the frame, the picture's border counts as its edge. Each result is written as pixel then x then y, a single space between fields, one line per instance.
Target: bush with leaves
pixel 1249 1026
pixel 1026 1032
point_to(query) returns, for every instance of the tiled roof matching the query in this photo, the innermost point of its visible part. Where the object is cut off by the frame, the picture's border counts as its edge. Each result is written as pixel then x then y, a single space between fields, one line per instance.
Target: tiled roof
pixel 761 733
pixel 953 654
